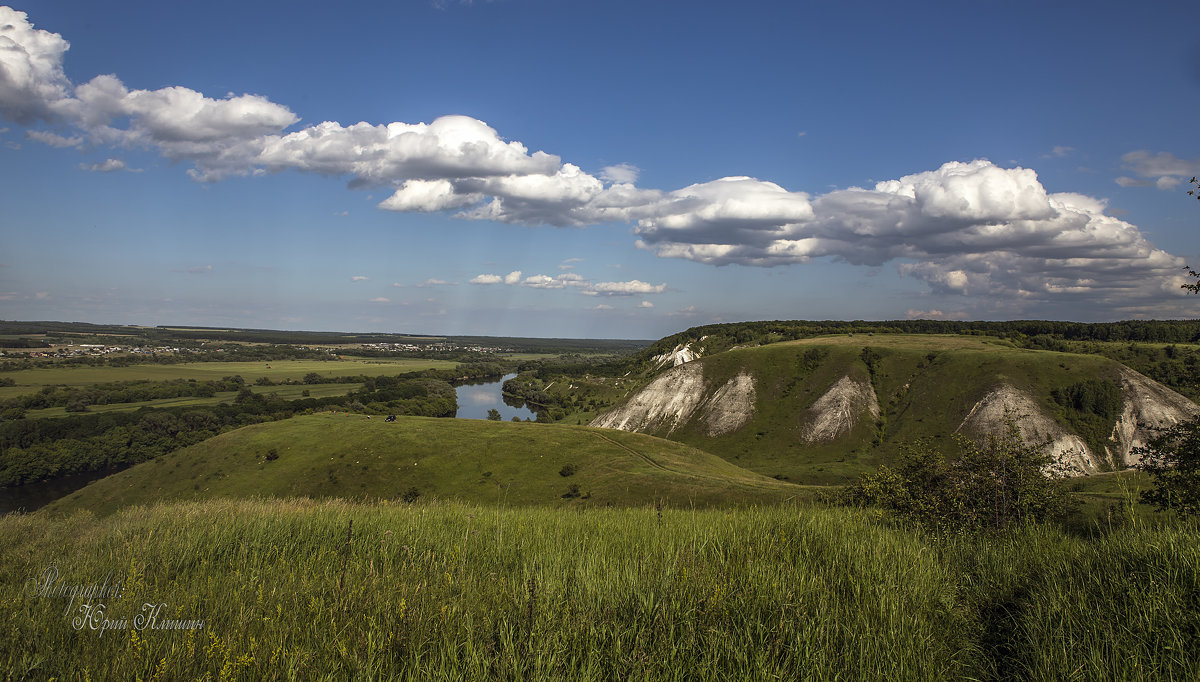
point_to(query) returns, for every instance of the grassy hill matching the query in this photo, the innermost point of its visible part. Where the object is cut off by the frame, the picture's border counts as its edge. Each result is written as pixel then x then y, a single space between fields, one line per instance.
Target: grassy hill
pixel 335 455
pixel 925 387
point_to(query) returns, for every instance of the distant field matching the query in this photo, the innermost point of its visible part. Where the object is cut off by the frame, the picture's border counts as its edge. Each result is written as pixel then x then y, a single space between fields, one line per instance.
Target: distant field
pixel 291 392
pixel 31 379
pixel 955 342
pixel 194 329
pixel 7 392
pixel 920 341
pixel 542 356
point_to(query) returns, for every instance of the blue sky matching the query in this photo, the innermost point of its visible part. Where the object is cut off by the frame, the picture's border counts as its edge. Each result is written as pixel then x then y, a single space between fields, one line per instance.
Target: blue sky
pixel 548 168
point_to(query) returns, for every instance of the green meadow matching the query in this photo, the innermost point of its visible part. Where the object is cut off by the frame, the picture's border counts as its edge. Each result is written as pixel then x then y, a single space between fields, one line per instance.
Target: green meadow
pixel 304 590
pixel 350 456
pixel 925 342
pixel 28 380
pixel 285 392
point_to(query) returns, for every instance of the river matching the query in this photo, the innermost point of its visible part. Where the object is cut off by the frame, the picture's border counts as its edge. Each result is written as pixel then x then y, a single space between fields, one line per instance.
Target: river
pixel 474 401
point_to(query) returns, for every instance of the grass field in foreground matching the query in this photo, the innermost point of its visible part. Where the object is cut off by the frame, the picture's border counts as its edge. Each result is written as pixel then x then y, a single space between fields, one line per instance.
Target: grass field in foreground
pixel 301 590
pixel 351 456
pixel 31 380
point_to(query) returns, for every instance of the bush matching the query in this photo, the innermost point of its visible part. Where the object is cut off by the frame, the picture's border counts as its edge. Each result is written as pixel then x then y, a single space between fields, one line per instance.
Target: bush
pixel 567 470
pixel 1173 458
pixel 994 484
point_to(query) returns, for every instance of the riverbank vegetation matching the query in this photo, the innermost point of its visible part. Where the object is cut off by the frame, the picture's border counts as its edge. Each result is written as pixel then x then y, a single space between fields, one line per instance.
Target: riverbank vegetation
pixel 41 450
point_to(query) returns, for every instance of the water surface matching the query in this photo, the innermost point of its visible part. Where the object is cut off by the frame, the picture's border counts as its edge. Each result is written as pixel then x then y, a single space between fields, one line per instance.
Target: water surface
pixel 474 401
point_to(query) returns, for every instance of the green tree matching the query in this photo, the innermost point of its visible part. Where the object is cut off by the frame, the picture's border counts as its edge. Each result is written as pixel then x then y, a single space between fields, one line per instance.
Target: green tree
pixel 1172 457
pixel 993 484
pixel 493 415
pixel 1193 287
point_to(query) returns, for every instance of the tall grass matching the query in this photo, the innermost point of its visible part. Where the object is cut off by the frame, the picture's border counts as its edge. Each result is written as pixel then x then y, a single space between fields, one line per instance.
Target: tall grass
pixel 334 590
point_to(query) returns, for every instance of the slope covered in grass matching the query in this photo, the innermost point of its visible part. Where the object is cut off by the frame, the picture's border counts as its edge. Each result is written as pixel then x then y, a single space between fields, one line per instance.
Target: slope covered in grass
pixel 824 410
pixel 335 455
pixel 336 590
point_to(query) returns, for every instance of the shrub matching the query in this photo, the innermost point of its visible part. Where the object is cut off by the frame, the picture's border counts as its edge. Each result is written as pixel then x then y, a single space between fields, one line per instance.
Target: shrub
pixel 567 470
pixel 1172 457
pixel 993 484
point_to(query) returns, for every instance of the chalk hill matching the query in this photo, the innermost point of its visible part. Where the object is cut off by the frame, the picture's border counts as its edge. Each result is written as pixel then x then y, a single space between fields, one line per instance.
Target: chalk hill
pixel 824 410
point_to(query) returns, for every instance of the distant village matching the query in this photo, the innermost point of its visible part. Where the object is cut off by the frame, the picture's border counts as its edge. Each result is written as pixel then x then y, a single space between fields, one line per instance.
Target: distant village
pixel 443 346
pixel 97 349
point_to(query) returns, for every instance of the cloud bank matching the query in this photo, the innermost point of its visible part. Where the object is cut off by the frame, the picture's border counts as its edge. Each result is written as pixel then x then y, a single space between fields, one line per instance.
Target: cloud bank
pixel 571 280
pixel 969 228
pixel 1163 170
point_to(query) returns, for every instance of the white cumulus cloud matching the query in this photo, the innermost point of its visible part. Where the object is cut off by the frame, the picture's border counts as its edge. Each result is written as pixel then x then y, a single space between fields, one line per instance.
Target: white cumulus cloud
pixel 913 314
pixel 108 166
pixel 622 173
pixel 970 228
pixel 1163 170
pixel 52 139
pixel 631 288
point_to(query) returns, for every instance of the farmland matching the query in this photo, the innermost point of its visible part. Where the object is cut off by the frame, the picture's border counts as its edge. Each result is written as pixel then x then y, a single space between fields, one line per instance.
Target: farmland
pixel 31 380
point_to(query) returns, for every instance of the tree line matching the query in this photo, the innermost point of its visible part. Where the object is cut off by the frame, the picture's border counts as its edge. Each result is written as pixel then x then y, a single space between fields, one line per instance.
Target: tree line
pixel 34 450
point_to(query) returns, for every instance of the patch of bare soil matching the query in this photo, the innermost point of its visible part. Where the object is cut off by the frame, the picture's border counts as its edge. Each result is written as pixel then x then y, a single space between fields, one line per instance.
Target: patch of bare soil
pixel 1004 403
pixel 731 406
pixel 667 401
pixel 836 412
pixel 1148 406
pixel 674 398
